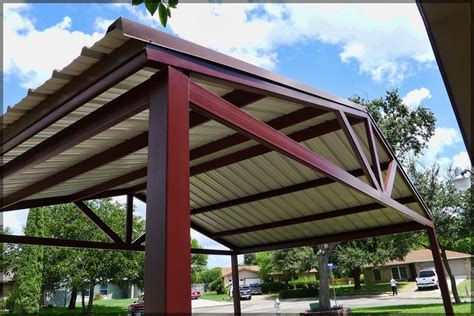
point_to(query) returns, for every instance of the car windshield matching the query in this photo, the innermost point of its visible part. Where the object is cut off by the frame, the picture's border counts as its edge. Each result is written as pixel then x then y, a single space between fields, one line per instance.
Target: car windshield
pixel 244 288
pixel 254 285
pixel 426 274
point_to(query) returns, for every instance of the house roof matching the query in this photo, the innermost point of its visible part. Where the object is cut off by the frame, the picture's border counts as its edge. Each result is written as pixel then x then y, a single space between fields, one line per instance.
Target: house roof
pixel 228 270
pixel 83 134
pixel 425 255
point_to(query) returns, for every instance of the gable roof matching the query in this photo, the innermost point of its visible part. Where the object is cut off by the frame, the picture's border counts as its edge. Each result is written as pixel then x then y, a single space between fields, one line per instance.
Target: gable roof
pixel 228 270
pixel 425 255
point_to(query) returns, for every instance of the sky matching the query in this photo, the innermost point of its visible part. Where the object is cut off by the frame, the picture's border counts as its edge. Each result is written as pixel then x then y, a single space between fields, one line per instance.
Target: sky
pixel 346 50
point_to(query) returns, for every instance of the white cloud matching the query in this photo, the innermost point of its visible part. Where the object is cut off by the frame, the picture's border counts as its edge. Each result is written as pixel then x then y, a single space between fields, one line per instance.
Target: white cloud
pixel 15 221
pixel 442 138
pixel 101 25
pixel 383 39
pixel 414 98
pixel 53 47
pixel 462 160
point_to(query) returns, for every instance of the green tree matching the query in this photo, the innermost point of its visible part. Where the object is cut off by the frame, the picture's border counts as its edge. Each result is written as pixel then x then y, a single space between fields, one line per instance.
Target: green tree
pixel 198 261
pixel 293 261
pixel 250 259
pixel 354 254
pixel 265 263
pixel 451 209
pixel 163 7
pixel 29 267
pixel 406 130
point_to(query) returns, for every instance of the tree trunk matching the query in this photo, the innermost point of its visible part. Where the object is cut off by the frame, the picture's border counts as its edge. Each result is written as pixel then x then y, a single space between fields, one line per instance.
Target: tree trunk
pixel 322 255
pixel 454 289
pixel 356 275
pixel 91 299
pixel 83 294
pixel 72 300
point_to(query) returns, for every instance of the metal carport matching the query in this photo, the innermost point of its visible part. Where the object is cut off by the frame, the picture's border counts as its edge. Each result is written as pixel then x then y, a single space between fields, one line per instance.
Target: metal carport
pixel 248 158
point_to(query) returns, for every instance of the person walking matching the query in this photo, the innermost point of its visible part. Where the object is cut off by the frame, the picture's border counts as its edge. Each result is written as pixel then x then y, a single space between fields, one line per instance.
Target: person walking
pixel 393 284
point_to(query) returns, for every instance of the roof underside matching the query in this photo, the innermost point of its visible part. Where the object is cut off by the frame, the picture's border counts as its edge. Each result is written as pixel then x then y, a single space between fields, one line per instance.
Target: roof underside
pixel 216 175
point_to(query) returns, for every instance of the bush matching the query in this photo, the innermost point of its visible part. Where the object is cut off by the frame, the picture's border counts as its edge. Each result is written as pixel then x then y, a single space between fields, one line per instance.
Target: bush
pixel 97 297
pixel 341 281
pixel 303 284
pixel 272 287
pixel 218 286
pixel 8 303
pixel 299 293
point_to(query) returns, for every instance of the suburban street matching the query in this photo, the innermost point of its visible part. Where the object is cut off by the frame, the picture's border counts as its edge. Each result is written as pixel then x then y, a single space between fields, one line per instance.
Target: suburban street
pixel 265 303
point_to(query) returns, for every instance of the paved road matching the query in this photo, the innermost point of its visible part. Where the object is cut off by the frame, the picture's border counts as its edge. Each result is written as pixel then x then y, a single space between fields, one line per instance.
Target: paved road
pixel 265 304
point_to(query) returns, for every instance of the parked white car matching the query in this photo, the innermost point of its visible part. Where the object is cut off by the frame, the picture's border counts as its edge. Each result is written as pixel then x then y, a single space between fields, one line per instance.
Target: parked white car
pixel 427 278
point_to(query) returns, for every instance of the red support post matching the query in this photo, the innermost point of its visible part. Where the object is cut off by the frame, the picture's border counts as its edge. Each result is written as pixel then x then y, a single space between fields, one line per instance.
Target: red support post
pixel 167 249
pixel 129 219
pixel 235 284
pixel 443 284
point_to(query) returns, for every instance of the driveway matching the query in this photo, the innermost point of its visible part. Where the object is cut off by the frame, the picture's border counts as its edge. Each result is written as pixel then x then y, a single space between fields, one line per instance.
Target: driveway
pixel 411 291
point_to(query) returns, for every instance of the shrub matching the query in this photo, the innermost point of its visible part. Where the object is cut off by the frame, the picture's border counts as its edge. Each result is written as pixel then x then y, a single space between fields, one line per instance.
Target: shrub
pixel 299 293
pixel 8 303
pixel 97 297
pixel 272 287
pixel 218 286
pixel 303 284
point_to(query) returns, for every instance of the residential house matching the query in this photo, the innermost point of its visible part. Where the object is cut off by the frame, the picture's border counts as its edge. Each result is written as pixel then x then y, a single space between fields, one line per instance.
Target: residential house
pixel 250 275
pixel 416 260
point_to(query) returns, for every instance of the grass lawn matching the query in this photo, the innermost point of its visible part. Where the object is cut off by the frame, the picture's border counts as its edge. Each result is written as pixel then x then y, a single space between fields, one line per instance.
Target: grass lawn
pixel 425 309
pixel 118 307
pixel 374 288
pixel 462 287
pixel 213 296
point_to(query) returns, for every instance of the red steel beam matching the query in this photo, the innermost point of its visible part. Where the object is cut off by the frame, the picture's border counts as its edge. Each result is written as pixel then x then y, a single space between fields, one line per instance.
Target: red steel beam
pixel 55 242
pixel 168 265
pixel 97 221
pixel 371 232
pixel 273 193
pixel 214 107
pixel 70 198
pixel 309 218
pixel 129 219
pixel 281 122
pixel 158 57
pixel 110 184
pixel 390 178
pixel 247 153
pixel 357 148
pixel 121 150
pixel 142 197
pixel 373 151
pixel 443 284
pixel 90 87
pixel 101 119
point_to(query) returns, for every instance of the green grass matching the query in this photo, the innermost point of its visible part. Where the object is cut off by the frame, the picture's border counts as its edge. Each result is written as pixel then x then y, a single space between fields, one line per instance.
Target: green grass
pixel 462 287
pixel 213 296
pixel 117 307
pixel 371 288
pixel 425 309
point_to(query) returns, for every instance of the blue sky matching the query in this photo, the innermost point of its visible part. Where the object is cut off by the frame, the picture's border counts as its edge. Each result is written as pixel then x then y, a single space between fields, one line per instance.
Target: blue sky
pixel 342 49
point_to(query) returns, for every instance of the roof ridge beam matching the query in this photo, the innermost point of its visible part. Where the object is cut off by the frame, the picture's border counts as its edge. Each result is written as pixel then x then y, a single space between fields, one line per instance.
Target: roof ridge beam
pixel 215 107
pixel 310 218
pixel 274 193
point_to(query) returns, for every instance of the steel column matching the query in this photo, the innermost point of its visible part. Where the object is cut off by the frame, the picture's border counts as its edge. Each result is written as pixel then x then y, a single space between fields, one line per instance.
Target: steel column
pixel 167 255
pixel 235 284
pixel 443 284
pixel 129 219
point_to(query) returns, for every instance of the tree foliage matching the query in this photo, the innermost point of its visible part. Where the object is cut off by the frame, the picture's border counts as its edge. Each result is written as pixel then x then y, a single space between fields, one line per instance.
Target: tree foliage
pixel 163 8
pixel 406 130
pixel 265 263
pixel 293 261
pixel 250 259
pixel 29 268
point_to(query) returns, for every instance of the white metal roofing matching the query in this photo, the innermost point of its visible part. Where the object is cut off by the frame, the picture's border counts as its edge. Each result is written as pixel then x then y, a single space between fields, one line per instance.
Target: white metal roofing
pixel 259 174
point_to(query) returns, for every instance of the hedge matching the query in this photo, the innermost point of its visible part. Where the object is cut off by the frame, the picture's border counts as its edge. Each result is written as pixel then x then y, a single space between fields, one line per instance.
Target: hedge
pixel 299 293
pixel 272 287
pixel 303 284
